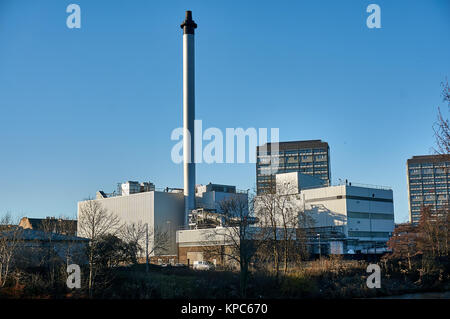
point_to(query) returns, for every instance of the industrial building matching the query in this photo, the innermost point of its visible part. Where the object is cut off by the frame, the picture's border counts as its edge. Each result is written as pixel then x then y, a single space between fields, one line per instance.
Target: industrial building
pixel 173 209
pixel 348 218
pixel 161 209
pixel 428 183
pixel 310 157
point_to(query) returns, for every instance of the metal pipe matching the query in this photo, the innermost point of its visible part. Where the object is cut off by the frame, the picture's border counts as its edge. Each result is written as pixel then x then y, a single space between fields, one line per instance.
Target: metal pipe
pixel 188 27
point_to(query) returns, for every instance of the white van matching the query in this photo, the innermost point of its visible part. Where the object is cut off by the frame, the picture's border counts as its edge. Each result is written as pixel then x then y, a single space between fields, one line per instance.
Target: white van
pixel 202 265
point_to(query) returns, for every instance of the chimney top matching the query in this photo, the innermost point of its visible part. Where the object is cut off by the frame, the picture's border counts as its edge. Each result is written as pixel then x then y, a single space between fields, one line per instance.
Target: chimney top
pixel 188 24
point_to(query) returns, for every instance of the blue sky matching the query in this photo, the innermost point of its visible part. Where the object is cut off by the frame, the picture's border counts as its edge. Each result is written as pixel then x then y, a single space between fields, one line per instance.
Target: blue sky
pixel 81 110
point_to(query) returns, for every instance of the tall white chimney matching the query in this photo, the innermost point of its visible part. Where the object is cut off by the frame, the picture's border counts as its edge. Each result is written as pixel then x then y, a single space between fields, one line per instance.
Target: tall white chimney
pixel 188 27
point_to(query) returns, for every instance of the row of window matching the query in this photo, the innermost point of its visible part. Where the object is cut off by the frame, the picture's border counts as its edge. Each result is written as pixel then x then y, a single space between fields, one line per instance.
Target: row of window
pixel 269 177
pixel 429 165
pixel 293 159
pixel 285 169
pixel 438 170
pixel 300 151
pixel 370 215
pixel 429 197
pixel 428 177
pixel 424 191
pixel 368 234
pixel 429 187
pixel 425 181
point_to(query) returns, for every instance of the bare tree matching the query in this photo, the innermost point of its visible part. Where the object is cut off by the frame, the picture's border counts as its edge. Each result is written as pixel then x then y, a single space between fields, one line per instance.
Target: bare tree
pixel 62 225
pixel 10 238
pixel 135 233
pixel 239 239
pixel 94 221
pixel 434 232
pixel 280 212
pixel 442 126
pixel 148 241
pixel 266 207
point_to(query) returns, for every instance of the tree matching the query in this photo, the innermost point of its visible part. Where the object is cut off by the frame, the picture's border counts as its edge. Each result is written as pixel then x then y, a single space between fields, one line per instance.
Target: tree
pixel 429 239
pixel 10 238
pixel 61 225
pixel 442 126
pixel 147 241
pixel 50 258
pixel 94 221
pixel 135 233
pixel 281 214
pixel 109 252
pixel 434 232
pixel 241 238
pixel 403 243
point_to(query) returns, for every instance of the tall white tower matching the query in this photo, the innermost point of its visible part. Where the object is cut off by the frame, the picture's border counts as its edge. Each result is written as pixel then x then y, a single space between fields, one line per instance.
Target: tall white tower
pixel 188 27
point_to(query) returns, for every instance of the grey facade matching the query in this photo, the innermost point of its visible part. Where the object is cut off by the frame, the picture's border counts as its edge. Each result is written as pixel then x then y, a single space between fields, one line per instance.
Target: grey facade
pixel 428 178
pixel 310 157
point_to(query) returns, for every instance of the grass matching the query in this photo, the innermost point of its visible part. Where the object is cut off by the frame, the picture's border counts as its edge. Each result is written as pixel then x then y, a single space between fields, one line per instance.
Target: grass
pixel 327 278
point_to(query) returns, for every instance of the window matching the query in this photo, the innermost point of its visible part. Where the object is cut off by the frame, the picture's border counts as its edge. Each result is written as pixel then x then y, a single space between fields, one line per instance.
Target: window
pixel 368 234
pixel 370 215
pixel 320 157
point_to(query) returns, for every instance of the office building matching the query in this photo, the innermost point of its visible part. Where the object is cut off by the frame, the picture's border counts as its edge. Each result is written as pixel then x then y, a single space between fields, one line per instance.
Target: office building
pixel 428 183
pixel 307 157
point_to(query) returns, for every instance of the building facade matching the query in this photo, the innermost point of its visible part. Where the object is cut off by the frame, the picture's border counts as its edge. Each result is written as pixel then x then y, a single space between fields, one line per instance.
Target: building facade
pixel 428 178
pixel 310 157
pixel 162 210
pixel 346 218
pixel 363 216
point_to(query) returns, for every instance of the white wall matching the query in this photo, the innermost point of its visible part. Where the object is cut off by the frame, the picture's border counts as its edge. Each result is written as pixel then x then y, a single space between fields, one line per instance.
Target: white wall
pixel 169 215
pixel 325 211
pixel 205 237
pixel 154 208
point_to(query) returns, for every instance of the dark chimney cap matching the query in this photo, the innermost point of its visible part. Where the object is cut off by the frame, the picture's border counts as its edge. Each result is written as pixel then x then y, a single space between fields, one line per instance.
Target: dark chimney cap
pixel 188 24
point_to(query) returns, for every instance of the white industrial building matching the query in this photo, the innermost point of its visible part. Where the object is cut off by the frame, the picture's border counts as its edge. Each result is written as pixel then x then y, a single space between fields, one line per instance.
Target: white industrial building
pixel 172 209
pixel 347 218
pixel 162 210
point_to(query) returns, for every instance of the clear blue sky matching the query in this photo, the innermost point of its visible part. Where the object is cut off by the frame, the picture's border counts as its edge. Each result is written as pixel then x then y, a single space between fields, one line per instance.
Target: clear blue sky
pixel 81 110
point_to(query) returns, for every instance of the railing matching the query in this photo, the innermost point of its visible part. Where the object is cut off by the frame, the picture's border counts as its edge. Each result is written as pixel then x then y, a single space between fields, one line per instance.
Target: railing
pixel 364 185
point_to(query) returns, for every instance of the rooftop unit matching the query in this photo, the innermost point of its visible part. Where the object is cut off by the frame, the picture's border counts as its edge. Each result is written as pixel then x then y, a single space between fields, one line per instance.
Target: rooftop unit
pixel 132 187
